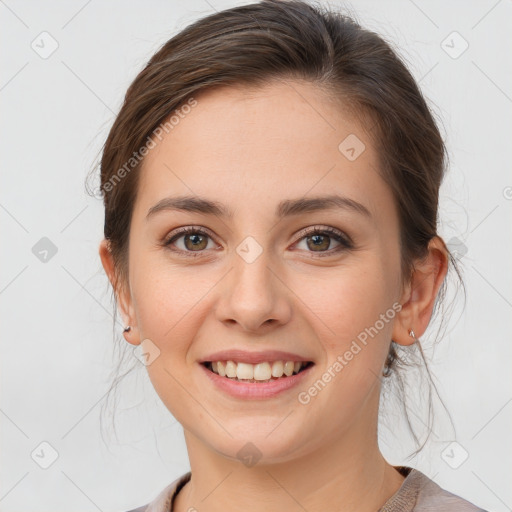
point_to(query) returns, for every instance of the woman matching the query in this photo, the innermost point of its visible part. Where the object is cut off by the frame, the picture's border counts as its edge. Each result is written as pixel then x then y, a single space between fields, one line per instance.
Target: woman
pixel 271 197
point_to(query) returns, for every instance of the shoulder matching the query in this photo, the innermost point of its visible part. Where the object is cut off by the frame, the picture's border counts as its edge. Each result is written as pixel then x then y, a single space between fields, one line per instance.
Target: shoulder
pixel 430 496
pixel 418 493
pixel 163 501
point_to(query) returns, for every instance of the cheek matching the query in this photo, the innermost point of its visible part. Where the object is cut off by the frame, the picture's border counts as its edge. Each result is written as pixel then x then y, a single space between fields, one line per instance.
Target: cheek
pixel 353 319
pixel 352 314
pixel 164 298
pixel 168 305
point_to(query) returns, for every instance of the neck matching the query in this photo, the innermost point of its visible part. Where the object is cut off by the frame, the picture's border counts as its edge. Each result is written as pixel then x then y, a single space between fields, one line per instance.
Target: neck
pixel 348 474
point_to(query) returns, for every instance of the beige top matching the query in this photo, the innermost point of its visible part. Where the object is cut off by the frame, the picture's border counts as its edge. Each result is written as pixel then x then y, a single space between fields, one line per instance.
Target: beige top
pixel 418 493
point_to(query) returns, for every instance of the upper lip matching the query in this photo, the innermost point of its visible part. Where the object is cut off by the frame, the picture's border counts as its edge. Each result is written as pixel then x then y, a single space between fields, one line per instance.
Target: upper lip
pixel 244 356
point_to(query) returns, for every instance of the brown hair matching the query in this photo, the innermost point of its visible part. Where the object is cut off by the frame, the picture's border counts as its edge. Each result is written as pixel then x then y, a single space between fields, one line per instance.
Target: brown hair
pixel 254 44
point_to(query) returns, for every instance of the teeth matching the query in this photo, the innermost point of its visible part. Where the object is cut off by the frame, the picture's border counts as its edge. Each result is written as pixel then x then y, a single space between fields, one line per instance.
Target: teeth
pixel 231 369
pixel 262 371
pixel 243 370
pixel 277 369
pixel 288 368
pixel 256 372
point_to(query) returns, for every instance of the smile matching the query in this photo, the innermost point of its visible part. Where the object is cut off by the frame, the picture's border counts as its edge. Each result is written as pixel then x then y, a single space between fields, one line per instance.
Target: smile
pixel 262 372
pixel 260 381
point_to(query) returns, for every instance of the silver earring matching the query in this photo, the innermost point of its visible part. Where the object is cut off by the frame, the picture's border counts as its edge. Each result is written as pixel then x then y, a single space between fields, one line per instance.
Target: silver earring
pixel 127 328
pixel 412 335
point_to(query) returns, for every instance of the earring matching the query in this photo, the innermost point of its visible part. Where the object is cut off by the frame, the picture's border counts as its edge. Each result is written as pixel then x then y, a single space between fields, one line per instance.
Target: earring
pixel 412 335
pixel 127 329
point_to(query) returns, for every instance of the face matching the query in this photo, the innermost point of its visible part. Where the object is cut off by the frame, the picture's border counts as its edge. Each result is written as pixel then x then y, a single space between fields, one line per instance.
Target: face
pixel 268 274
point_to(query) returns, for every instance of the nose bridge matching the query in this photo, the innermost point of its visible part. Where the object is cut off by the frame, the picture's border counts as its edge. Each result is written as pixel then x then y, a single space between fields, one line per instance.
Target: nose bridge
pixel 251 264
pixel 253 295
pixel 252 278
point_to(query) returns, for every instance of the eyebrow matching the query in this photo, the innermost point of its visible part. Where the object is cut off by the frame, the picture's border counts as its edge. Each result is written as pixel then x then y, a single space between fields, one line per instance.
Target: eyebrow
pixel 286 208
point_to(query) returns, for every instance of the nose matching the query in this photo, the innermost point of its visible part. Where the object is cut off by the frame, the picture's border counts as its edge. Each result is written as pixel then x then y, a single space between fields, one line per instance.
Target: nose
pixel 253 296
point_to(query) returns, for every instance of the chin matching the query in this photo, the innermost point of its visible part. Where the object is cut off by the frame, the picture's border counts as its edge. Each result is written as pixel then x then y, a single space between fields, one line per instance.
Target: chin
pixel 251 444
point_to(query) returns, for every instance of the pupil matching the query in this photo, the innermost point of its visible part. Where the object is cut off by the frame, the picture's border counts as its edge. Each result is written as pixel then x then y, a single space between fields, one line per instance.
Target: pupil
pixel 320 241
pixel 196 240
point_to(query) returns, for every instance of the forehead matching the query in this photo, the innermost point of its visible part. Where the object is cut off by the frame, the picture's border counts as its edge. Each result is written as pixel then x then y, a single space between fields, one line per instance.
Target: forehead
pixel 243 144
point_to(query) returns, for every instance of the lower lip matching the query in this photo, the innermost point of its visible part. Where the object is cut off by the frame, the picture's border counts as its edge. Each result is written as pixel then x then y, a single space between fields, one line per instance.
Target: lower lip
pixel 255 389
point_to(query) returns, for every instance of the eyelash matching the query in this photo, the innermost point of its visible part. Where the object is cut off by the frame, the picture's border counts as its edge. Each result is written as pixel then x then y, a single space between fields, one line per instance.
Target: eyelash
pixel 344 240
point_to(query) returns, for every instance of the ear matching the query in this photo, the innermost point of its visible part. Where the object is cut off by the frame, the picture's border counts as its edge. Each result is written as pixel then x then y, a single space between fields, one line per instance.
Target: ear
pixel 122 294
pixel 419 296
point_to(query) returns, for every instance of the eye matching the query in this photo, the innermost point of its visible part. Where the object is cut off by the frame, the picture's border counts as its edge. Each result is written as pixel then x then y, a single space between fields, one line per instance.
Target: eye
pixel 195 240
pixel 319 240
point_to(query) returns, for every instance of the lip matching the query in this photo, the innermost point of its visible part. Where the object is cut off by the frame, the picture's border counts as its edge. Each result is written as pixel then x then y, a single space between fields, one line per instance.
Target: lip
pixel 243 356
pixel 255 390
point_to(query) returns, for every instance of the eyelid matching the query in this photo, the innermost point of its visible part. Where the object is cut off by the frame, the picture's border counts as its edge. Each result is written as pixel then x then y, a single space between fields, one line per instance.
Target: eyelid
pixel 184 230
pixel 343 239
pixel 321 229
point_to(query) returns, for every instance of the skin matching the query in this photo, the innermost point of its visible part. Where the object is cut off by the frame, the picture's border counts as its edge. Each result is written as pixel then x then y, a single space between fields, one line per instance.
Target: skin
pixel 249 149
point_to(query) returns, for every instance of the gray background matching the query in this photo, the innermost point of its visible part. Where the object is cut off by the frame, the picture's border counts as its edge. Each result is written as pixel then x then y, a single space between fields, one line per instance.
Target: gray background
pixel 56 352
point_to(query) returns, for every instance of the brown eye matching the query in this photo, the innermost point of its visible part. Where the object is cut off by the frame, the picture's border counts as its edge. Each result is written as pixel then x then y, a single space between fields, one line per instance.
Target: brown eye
pixel 195 242
pixel 189 240
pixel 320 241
